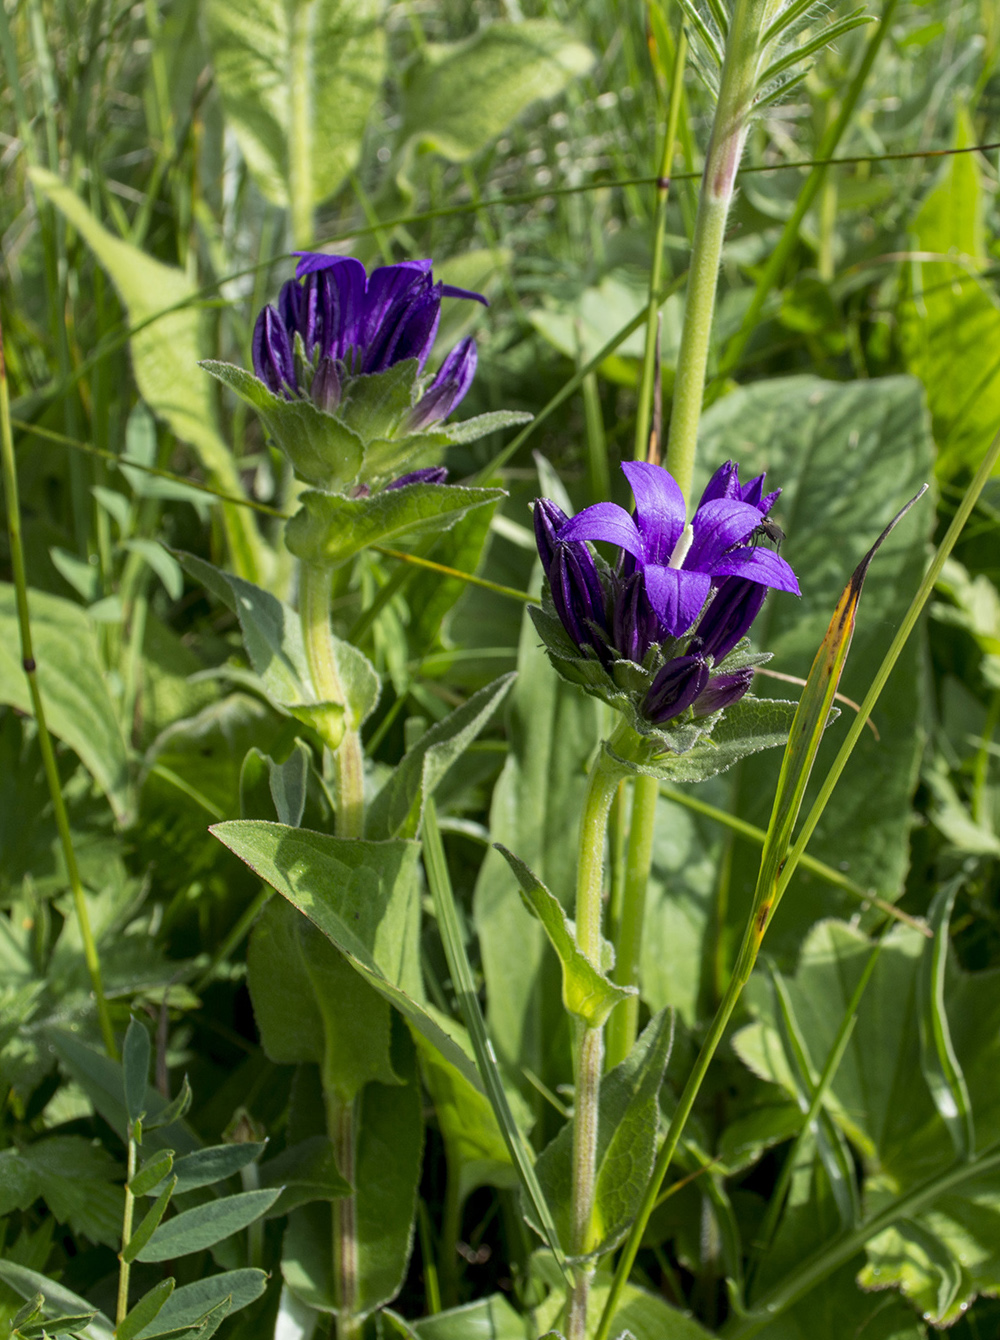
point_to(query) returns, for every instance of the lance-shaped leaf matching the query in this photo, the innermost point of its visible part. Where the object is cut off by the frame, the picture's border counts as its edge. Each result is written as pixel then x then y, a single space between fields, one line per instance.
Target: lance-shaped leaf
pixel 145 1311
pixel 364 896
pixel 397 809
pixel 298 82
pixel 626 1140
pixel 811 718
pixel 188 1305
pixel 587 993
pixel 205 1225
pixel 172 336
pixel 28 1283
pixel 329 529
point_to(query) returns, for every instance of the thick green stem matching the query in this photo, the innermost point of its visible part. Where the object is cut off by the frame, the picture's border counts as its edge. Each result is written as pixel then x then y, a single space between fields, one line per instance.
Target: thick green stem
pixel 124 1267
pixel 341 1130
pixel 725 149
pixel 314 612
pixel 589 1055
pixel 44 738
pixel 624 1021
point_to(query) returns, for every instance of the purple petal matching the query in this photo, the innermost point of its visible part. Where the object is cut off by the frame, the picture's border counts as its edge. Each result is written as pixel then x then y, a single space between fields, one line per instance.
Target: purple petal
pixel 450 291
pixel 725 483
pixel 578 596
pixel 548 520
pixel 758 565
pixel 734 607
pixel 676 595
pixel 659 508
pixel 723 691
pixel 414 334
pixel 635 625
pixel 675 688
pixel 311 261
pixel 448 388
pixel 768 501
pixel 432 474
pixel 272 354
pixel 393 293
pixel 718 525
pixel 608 522
pixel 341 308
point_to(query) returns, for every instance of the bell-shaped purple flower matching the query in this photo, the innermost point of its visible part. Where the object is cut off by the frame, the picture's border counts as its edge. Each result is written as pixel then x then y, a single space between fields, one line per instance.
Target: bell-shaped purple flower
pixel 722 691
pixel 733 608
pixel 366 323
pixel 453 379
pixel 680 562
pixel 675 688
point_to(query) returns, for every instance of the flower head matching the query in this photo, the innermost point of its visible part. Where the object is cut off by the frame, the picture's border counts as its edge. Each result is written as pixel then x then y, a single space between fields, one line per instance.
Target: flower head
pixel 663 630
pixel 334 321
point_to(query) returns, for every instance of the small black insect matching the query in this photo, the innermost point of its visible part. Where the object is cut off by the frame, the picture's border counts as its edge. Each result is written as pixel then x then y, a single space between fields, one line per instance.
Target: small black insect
pixel 767 530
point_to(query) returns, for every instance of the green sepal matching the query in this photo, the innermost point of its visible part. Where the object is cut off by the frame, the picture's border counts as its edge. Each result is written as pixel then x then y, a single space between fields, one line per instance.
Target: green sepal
pixel 330 529
pixel 587 993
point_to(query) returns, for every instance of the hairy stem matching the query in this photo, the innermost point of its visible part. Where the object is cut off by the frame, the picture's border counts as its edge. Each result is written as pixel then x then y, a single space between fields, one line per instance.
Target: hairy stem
pixel 124 1267
pixel 44 738
pixel 341 1129
pixel 624 1021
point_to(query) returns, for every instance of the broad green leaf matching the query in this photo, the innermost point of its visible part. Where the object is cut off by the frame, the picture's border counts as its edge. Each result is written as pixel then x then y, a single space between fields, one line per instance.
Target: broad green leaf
pixel 642 1314
pixel 205 1225
pixel 387 1173
pixel 298 82
pixel 801 430
pixel 78 1181
pixel 626 1140
pixel 272 635
pixel 397 809
pixel 431 596
pixel 78 705
pixel 27 1283
pixel 311 1005
pixel 145 1311
pixel 460 97
pixel 135 1069
pixel 164 353
pixel 329 529
pixel 490 1318
pixel 587 993
pixel 949 325
pixel 535 811
pixel 305 1172
pixel 188 1304
pixel 364 897
pixel 203 1167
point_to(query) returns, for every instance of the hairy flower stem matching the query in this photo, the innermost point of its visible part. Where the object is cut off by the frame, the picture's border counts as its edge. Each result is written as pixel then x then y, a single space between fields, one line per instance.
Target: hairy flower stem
pixel 589 1050
pixel 45 746
pixel 725 148
pixel 314 613
pixel 623 1024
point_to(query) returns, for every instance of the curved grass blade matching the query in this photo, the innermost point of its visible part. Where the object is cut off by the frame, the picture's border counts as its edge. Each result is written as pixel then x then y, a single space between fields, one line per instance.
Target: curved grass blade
pixel 938 1061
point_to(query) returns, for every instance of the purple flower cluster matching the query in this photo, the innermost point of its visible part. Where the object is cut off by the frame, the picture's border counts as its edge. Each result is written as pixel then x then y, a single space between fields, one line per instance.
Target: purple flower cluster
pixel 692 589
pixel 334 321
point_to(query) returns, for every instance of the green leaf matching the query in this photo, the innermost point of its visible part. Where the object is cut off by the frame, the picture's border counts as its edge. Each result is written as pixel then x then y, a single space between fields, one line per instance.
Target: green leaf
pixel 205 1225
pixel 29 1312
pixel 298 83
pixel 460 97
pixel 640 1313
pixel 626 1140
pixel 938 1061
pixel 397 809
pixel 76 1179
pixel 27 1283
pixel 329 529
pixel 78 705
pixel 431 596
pixel 172 1111
pixel 272 635
pixel 490 1318
pixel 135 1069
pixel 149 1224
pixel 587 993
pixel 204 1167
pixel 535 811
pixel 471 430
pixel 152 1173
pixel 164 353
pixel 305 1172
pixel 188 1304
pixel 311 1005
pixel 364 897
pixel 322 449
pixel 387 1173
pixel 145 1311
pixel 802 429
